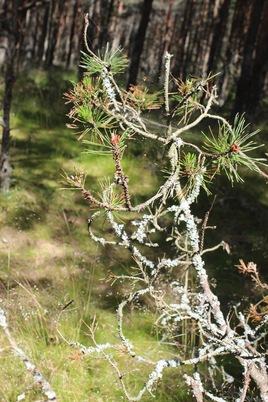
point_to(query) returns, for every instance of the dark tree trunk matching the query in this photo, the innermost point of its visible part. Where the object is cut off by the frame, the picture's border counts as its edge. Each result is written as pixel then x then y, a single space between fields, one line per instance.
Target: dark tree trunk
pixel 5 167
pixel 234 43
pixel 27 53
pixel 254 67
pixel 182 34
pixel 10 27
pixel 248 86
pixel 94 27
pixel 92 33
pixel 54 23
pixel 76 8
pixel 107 11
pixel 42 35
pixel 139 42
pixel 50 39
pixel 259 72
pixel 166 37
pixel 12 24
pixel 218 35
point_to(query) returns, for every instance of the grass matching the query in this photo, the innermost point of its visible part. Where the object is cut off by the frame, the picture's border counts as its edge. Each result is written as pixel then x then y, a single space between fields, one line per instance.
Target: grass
pixel 47 258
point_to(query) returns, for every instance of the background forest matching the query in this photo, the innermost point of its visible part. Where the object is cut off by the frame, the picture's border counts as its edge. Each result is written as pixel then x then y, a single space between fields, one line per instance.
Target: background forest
pixel 204 36
pixel 46 256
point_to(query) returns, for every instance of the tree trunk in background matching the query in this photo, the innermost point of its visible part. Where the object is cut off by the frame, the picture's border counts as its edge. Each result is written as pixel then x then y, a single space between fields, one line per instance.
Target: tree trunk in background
pixel 76 13
pixel 13 25
pixel 233 47
pixel 182 33
pixel 254 65
pixel 167 29
pixel 260 68
pixel 56 9
pixel 5 167
pixel 139 42
pixel 92 32
pixel 42 35
pixel 107 12
pixel 227 36
pixel 50 39
pixel 27 54
pixel 221 18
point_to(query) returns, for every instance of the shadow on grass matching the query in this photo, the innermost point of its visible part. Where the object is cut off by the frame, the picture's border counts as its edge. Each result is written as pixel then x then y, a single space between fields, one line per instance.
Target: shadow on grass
pixel 39 157
pixel 240 215
pixel 39 97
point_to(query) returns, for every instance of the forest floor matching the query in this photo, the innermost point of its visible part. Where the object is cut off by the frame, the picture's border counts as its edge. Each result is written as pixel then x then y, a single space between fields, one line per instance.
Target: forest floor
pixel 48 259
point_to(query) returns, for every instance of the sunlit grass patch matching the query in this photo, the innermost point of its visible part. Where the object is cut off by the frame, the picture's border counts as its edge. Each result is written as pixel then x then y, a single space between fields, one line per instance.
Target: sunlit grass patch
pixel 33 311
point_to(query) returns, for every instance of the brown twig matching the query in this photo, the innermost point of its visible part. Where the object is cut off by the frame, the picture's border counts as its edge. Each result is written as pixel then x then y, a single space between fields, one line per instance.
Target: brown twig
pixel 121 178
